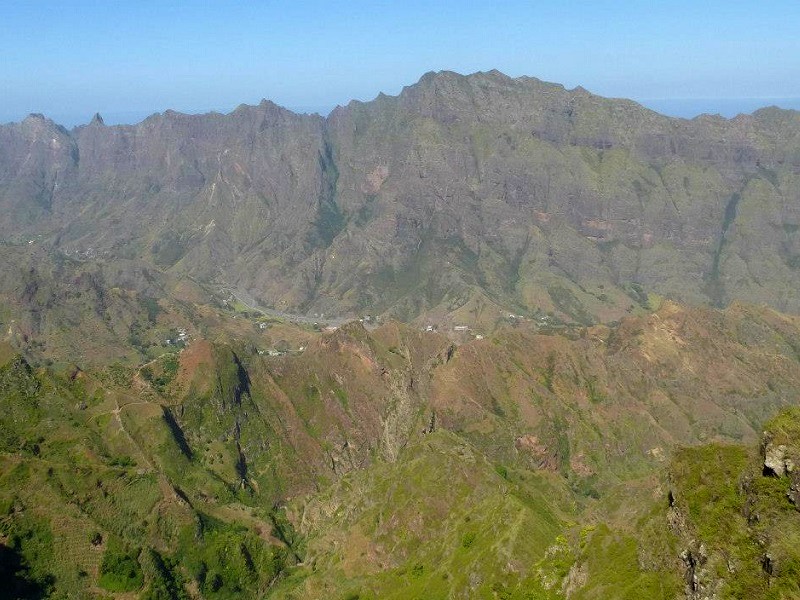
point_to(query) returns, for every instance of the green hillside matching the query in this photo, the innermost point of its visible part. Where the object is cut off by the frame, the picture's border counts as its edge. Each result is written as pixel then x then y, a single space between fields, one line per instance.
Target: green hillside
pixel 393 464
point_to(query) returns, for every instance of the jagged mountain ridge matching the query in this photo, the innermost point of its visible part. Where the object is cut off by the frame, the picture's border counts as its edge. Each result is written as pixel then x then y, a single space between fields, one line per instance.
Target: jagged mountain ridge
pixel 476 191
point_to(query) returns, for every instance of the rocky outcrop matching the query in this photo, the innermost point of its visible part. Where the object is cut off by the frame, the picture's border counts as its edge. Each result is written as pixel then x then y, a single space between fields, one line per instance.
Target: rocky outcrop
pixel 777 460
pixel 780 447
pixel 696 575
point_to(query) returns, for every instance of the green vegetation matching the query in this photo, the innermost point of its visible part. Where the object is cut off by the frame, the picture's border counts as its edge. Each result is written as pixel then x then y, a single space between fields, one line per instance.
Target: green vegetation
pixel 329 223
pixel 614 568
pixel 742 516
pixel 595 395
pixel 215 473
pixel 161 372
pixel 568 303
pixel 230 561
pixel 168 249
pixel 166 581
pixel 601 443
pixel 120 570
pixel 152 308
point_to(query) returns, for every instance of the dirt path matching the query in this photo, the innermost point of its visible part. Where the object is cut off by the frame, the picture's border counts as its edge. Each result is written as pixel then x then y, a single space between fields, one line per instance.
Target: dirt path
pixel 250 303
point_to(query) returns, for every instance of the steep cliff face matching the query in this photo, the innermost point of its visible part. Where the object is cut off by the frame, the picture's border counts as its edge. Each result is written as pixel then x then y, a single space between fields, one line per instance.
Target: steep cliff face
pixel 540 195
pixel 38 162
pixel 515 191
pixel 736 514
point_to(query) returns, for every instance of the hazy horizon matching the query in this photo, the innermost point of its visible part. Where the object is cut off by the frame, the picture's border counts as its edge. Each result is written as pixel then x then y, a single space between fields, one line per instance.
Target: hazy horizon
pixel 69 60
pixel 685 108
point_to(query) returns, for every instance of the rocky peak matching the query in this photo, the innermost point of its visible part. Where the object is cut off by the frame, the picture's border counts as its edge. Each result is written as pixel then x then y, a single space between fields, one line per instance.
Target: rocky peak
pixel 37 122
pixel 780 450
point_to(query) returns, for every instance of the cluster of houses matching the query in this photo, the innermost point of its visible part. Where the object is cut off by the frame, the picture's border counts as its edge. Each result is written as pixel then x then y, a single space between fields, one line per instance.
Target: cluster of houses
pixel 540 320
pixel 456 328
pixel 182 337
pixel 270 352
pixel 274 352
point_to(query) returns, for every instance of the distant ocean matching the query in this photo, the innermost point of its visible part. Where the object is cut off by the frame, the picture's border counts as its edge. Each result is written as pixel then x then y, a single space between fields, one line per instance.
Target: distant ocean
pixel 727 107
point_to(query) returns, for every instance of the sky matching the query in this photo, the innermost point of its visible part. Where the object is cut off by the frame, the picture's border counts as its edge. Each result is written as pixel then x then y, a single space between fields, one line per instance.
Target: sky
pixel 126 60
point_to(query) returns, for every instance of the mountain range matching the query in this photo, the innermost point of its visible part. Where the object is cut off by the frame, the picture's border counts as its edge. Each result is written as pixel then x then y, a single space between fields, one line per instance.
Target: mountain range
pixel 490 338
pixel 476 194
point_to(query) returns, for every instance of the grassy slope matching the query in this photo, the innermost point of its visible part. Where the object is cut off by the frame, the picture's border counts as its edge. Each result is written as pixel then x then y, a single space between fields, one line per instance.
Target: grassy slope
pixel 441 523
pixel 741 529
pixel 81 484
pixel 216 470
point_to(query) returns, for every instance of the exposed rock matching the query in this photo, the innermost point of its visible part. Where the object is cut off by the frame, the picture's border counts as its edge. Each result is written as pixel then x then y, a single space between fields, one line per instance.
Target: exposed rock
pixel 579 466
pixel 576 578
pixel 776 460
pixel 542 456
pixel 696 576
pixel 516 188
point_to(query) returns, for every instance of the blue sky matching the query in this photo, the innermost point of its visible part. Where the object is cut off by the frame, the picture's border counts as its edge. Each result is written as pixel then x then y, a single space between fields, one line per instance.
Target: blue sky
pixel 128 59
